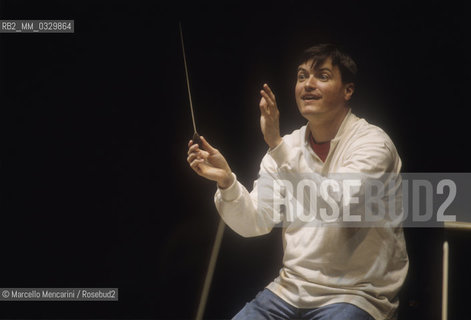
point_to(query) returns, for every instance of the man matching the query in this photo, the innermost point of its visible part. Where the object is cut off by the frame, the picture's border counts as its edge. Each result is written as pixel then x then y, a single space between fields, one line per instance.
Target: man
pixel 329 271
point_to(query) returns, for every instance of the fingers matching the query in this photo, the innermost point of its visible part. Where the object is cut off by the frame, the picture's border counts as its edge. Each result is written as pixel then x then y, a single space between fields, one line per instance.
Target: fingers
pixel 196 157
pixel 267 98
pixel 200 154
pixel 193 147
pixel 263 106
pixel 192 157
pixel 270 93
pixel 207 162
pixel 268 101
pixel 195 165
pixel 207 146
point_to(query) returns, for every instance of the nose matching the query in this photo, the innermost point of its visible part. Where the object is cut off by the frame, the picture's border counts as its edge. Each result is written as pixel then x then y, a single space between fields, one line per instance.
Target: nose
pixel 310 83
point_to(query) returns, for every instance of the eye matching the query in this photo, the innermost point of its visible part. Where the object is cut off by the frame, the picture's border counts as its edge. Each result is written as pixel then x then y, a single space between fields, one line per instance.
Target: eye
pixel 324 76
pixel 302 76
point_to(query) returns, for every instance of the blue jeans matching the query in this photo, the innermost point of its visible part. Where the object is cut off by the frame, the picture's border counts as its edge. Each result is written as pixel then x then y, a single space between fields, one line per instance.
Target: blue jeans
pixel 268 306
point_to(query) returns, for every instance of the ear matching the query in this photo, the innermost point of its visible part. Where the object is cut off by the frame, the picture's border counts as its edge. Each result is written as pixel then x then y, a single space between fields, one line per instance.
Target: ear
pixel 349 88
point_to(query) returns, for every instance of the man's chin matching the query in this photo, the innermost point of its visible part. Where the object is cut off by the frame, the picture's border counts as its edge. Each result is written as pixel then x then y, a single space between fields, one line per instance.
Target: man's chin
pixel 309 111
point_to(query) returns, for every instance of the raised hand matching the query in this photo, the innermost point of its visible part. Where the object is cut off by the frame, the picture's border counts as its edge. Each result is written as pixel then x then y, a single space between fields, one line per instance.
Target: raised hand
pixel 209 163
pixel 270 117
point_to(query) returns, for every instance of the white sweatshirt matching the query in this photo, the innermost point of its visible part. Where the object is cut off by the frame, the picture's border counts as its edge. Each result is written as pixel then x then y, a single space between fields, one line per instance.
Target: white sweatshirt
pixel 364 266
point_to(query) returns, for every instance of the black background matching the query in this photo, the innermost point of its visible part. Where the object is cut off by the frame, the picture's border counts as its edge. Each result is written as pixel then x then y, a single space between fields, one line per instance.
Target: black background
pixel 96 191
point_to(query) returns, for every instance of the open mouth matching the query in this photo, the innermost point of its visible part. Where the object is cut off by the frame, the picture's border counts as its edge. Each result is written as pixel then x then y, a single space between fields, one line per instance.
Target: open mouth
pixel 310 97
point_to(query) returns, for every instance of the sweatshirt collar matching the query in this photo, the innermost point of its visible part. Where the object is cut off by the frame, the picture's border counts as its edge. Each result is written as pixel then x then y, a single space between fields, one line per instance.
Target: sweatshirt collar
pixel 346 124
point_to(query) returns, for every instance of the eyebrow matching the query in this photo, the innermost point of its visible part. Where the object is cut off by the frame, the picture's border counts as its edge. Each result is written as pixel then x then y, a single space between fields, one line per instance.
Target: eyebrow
pixel 321 69
pixel 325 69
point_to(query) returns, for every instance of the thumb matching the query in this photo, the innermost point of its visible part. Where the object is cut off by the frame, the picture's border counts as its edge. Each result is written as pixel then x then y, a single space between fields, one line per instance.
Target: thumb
pixel 207 146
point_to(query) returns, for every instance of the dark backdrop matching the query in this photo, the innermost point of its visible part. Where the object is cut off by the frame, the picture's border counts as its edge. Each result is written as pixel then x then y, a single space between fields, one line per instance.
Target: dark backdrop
pixel 96 191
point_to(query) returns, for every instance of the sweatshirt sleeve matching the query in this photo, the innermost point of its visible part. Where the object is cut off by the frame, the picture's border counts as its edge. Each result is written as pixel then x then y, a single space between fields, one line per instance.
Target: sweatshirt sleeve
pixel 251 213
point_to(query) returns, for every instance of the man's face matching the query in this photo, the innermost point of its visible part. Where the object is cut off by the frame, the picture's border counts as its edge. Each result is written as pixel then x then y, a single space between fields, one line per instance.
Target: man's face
pixel 320 91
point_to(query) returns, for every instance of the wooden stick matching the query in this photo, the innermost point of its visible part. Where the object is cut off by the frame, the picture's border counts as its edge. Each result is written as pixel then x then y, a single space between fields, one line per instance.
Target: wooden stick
pixel 445 282
pixel 457 225
pixel 210 272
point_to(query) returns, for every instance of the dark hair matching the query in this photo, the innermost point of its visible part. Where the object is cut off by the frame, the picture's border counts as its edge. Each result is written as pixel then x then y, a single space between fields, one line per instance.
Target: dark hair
pixel 320 52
